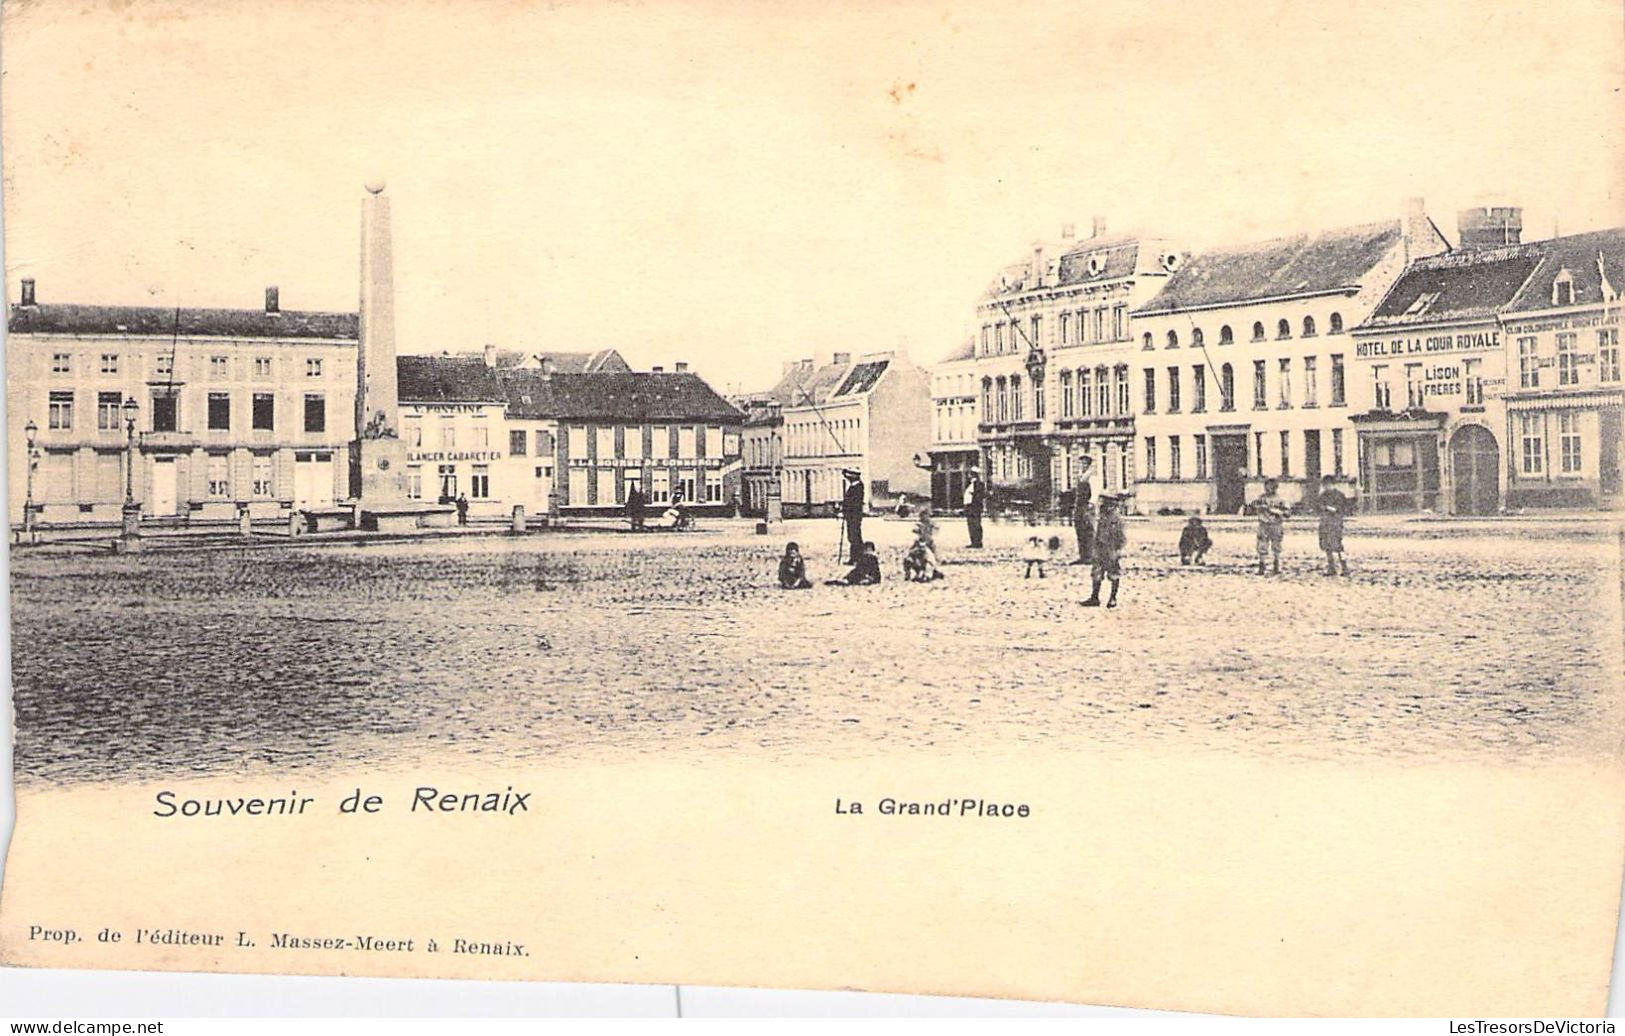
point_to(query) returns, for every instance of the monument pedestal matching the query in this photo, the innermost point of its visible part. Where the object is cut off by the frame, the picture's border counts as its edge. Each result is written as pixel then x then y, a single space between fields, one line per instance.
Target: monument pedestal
pixel 379 483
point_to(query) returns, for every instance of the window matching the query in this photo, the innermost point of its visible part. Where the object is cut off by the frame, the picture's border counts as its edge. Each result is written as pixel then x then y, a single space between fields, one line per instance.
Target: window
pixel 1258 331
pixel 479 483
pixel 1568 442
pixel 685 445
pixel 1173 390
pixel 713 441
pixel 1145 341
pixel 1308 327
pixel 576 442
pixel 1201 456
pixel 1381 396
pixel 1227 388
pixel 1067 408
pixel 1423 301
pixel 1038 332
pixel 1258 454
pixel 1286 454
pixel 713 489
pixel 60 416
pixel 1413 386
pixel 448 432
pixel 1197 341
pixel 61 363
pixel 998 337
pixel 219 411
pixel 1173 339
pixel 448 482
pixel 1198 389
pixel 1100 324
pixel 1339 382
pixel 1150 406
pixel 604 443
pixel 1311 390
pixel 219 368
pixel 1337 447
pixel 412 430
pixel 1226 336
pixel 1119 323
pixel 1563 289
pixel 414 481
pixel 1063 327
pixel 219 476
pixel 1285 387
pixel 1568 366
pixel 262 367
pixel 1335 325
pixel 313 366
pixel 1473 376
pixel 1608 354
pixel 164 365
pixel 109 363
pixel 107 411
pixel 315 412
pixel 686 479
pixel 166 411
pixel 1530 446
pixel 1173 458
pixel 482 433
pixel 660 486
pixel 1103 393
pixel 1528 364
pixel 1122 389
pixel 1283 328
pixel 1086 400
pixel 1015 398
pixel 518 443
pixel 1260 390
pixel 261 476
pixel 1150 457
pixel 1038 400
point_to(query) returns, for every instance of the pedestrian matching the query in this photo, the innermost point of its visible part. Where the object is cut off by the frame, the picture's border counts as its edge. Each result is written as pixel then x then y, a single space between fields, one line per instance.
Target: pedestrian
pixel 865 572
pixel 975 500
pixel 920 563
pixel 852 511
pixel 634 507
pixel 462 509
pixel 1194 542
pixel 1107 553
pixel 1033 555
pixel 1083 514
pixel 925 527
pixel 1333 506
pixel 1271 511
pixel 793 569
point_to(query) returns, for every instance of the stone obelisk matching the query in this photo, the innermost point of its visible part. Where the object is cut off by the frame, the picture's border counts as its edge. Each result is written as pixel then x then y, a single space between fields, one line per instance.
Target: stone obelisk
pixel 377 457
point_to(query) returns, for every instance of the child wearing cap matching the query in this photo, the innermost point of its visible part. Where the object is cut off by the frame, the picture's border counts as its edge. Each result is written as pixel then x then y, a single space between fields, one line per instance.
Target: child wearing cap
pixel 1105 562
pixel 1271 511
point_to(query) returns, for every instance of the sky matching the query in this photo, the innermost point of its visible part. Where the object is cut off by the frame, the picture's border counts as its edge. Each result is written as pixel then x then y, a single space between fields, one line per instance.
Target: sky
pixel 740 184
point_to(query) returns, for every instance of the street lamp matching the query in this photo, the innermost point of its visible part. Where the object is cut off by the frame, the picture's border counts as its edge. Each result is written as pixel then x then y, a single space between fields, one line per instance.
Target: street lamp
pixel 130 538
pixel 31 431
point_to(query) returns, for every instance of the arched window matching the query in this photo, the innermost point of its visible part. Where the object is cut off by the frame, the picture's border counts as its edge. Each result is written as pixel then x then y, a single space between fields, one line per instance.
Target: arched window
pixel 1226 336
pixel 1015 397
pixel 1146 341
pixel 1309 327
pixel 1086 400
pixel 1196 338
pixel 1258 331
pixel 1227 388
pixel 1283 329
pixel 987 399
pixel 1336 324
pixel 1003 413
pixel 1173 339
pixel 1103 392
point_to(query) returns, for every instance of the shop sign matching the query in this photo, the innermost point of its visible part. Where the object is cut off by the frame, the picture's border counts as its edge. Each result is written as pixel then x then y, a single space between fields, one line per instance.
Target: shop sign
pixel 444 457
pixel 1444 342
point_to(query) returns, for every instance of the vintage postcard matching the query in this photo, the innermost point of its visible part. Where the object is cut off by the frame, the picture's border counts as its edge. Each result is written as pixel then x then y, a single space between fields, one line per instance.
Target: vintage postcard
pixel 1114 502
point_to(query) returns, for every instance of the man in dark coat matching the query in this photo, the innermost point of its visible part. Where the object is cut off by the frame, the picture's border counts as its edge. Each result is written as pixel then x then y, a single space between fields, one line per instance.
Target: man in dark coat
pixel 975 502
pixel 634 506
pixel 1083 512
pixel 852 511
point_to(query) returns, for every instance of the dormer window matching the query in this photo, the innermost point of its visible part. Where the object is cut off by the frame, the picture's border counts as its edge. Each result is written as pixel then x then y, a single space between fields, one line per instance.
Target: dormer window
pixel 1563 289
pixel 1423 301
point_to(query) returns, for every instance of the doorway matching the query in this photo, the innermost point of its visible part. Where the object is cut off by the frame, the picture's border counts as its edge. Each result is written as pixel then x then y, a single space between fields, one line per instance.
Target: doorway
pixel 313 481
pixel 1230 473
pixel 1475 461
pixel 165 486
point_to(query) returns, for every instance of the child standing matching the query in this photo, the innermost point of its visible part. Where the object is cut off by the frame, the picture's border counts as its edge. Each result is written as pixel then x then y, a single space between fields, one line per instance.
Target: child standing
pixel 1333 506
pixel 1271 511
pixel 1106 559
pixel 1034 555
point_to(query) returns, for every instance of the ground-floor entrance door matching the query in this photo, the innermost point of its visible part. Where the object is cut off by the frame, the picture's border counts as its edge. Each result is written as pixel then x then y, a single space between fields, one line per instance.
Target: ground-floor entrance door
pixel 1610 481
pixel 1230 473
pixel 166 482
pixel 312 480
pixel 1475 462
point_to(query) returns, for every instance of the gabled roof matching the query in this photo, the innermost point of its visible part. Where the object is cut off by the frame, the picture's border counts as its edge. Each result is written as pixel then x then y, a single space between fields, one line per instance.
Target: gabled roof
pixel 1457 286
pixel 862 378
pixel 1104 258
pixel 1286 267
pixel 614 395
pixel 446 379
pixel 805 385
pixel 69 319
pixel 1580 255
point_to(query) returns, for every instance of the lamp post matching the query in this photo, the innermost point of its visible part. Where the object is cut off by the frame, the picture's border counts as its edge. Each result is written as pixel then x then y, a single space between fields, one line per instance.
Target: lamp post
pixel 31 432
pixel 130 538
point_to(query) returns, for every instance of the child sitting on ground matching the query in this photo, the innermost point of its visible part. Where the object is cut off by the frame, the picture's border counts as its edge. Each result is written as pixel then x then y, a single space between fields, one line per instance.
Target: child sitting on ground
pixel 1194 542
pixel 793 569
pixel 920 563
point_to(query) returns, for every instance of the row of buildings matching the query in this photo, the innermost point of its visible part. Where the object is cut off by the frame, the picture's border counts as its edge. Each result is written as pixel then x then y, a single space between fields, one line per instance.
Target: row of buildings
pixel 1423 375
pixel 201 414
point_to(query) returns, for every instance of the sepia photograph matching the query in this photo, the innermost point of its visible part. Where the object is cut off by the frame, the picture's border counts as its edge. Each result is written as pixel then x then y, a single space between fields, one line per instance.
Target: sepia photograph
pixel 1108 504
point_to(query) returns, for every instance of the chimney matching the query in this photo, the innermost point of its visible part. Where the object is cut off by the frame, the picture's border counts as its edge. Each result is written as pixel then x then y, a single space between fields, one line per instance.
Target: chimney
pixel 841 359
pixel 1039 267
pixel 273 302
pixel 28 291
pixel 1099 227
pixel 680 367
pixel 1069 231
pixel 657 370
pixel 490 355
pixel 1489 226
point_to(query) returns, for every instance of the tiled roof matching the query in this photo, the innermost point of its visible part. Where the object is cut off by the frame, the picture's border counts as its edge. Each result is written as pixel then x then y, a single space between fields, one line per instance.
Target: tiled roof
pixel 862 378
pixel 806 386
pixel 1471 285
pixel 446 379
pixel 614 395
pixel 1330 261
pixel 1579 254
pixel 1092 259
pixel 564 362
pixel 68 319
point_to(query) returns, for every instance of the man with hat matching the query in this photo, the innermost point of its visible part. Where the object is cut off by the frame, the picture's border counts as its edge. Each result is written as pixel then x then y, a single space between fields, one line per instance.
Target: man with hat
pixel 1083 513
pixel 852 511
pixel 975 501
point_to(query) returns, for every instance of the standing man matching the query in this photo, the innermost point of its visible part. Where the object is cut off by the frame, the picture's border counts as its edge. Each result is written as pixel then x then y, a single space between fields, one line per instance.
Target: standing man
pixel 634 507
pixel 975 500
pixel 852 511
pixel 1083 515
